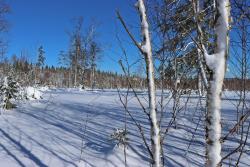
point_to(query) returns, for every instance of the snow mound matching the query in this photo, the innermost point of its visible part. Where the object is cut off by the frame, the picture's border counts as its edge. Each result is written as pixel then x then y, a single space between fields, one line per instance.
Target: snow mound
pixel 32 93
pixel 44 88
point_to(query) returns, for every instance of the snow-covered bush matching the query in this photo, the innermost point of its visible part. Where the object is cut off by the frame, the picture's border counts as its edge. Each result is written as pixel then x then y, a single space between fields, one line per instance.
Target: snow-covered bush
pixel 30 93
pixel 9 90
pixel 120 136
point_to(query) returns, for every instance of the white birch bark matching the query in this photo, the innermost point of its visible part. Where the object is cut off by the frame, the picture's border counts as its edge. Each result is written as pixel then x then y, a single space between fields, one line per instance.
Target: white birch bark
pixel 200 89
pixel 217 64
pixel 196 7
pixel 147 52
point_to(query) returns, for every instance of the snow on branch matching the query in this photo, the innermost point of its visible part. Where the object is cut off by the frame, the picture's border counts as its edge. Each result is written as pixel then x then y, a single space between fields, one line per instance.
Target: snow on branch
pixel 221 30
pixel 147 52
pixel 217 62
pixel 146 45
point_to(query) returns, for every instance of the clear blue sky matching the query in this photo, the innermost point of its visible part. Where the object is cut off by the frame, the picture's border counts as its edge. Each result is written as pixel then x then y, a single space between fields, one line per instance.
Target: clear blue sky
pixel 45 22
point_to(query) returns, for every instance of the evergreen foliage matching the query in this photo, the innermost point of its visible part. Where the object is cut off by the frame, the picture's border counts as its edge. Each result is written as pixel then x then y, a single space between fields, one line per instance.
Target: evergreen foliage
pixel 9 90
pixel 41 57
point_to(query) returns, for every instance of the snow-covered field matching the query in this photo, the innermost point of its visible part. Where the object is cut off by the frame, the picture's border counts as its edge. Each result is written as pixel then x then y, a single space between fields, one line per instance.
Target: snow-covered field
pixel 73 128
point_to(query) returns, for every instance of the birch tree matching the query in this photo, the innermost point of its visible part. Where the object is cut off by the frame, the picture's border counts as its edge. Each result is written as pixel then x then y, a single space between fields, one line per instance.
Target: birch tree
pixel 76 51
pixel 146 50
pixel 217 64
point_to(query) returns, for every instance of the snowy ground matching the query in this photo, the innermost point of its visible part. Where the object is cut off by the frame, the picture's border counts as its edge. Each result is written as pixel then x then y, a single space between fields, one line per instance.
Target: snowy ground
pixel 73 128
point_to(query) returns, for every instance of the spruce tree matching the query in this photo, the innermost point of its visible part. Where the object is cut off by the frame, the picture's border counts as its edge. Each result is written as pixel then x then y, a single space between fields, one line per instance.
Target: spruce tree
pixel 39 64
pixel 41 57
pixel 9 90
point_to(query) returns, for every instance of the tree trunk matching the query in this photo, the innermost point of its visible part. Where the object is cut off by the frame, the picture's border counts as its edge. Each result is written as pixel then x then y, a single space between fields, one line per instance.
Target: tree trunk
pixel 146 49
pixel 217 65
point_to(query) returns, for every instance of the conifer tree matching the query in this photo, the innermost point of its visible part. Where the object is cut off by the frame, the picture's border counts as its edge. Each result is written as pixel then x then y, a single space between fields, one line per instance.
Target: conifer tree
pixel 9 90
pixel 40 62
pixel 41 57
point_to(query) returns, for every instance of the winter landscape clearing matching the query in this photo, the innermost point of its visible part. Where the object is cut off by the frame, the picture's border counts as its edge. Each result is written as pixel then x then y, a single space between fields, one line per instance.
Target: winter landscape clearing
pixel 53 132
pixel 125 83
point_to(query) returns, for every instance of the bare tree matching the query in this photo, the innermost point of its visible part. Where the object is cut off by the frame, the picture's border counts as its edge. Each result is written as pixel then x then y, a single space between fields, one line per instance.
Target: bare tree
pixel 93 52
pixel 76 52
pixel 4 26
pixel 146 50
